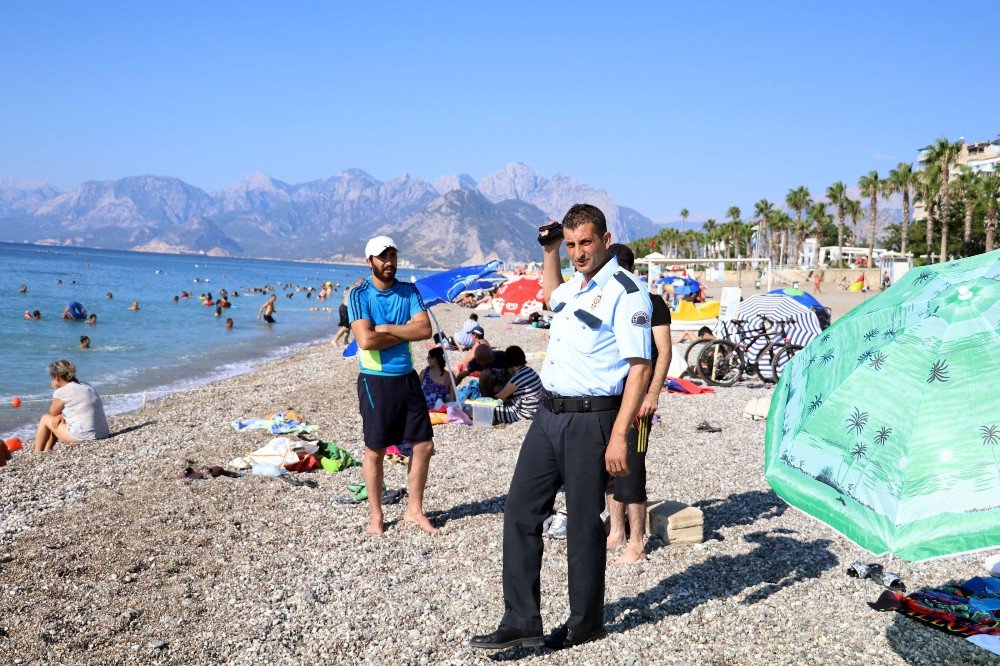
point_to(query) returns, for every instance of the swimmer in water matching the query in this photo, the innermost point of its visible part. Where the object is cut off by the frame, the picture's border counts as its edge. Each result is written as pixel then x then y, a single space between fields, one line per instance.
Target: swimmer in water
pixel 267 310
pixel 108 295
pixel 84 342
pixel 32 315
pixel 23 289
pixel 92 319
pixel 134 307
pixel 229 323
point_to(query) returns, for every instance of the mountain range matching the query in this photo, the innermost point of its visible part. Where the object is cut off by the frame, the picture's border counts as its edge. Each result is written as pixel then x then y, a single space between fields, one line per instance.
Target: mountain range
pixel 453 221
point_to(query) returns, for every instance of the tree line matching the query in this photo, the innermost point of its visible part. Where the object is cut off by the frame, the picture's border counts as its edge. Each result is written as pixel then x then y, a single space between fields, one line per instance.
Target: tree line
pixel 954 197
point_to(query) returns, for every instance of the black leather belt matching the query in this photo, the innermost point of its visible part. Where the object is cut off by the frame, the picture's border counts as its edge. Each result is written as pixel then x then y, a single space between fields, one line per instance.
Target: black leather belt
pixel 557 404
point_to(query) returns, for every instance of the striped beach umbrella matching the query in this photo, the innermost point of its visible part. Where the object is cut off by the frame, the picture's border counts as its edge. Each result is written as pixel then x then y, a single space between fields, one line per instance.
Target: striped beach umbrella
pixel 887 427
pixel 803 329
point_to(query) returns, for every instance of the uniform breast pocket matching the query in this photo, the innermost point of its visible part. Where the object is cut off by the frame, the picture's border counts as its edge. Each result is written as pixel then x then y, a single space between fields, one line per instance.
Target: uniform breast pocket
pixel 586 332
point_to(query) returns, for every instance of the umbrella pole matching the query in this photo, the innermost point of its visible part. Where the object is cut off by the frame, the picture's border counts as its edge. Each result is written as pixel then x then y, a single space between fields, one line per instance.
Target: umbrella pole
pixel 447 363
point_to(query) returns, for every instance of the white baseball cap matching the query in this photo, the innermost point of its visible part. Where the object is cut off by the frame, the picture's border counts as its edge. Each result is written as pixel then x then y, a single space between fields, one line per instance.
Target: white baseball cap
pixel 378 245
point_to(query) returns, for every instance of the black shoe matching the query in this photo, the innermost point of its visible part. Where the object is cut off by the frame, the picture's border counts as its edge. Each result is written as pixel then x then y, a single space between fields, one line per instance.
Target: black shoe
pixel 562 638
pixel 505 637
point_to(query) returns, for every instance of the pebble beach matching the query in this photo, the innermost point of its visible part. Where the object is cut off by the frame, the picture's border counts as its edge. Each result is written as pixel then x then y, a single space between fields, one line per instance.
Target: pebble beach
pixel 106 556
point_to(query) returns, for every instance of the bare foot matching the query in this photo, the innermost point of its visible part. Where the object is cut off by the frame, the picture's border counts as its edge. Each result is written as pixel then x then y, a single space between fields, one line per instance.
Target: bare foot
pixel 631 555
pixel 615 541
pixel 420 520
pixel 376 526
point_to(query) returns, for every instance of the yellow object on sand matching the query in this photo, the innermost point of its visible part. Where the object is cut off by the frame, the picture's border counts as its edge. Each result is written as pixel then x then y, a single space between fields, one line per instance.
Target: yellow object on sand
pixel 688 311
pixel 857 285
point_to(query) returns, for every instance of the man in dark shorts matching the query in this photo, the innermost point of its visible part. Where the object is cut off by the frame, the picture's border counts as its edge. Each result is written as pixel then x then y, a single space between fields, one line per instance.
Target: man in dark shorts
pixel 386 315
pixel 627 494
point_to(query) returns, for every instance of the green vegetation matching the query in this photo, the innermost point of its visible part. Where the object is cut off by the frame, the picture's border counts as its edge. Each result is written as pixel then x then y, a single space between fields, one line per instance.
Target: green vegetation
pixel 953 198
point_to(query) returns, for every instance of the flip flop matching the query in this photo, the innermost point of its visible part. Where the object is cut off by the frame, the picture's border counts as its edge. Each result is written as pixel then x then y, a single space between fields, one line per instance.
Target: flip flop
pixel 189 473
pixel 307 483
pixel 858 569
pixel 705 426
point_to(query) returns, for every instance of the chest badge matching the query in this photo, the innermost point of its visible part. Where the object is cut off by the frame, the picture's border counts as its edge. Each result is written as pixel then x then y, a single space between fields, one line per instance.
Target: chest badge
pixel 594 303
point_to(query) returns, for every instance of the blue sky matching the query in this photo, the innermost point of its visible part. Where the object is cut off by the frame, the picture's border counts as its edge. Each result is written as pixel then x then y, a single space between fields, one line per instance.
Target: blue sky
pixel 665 105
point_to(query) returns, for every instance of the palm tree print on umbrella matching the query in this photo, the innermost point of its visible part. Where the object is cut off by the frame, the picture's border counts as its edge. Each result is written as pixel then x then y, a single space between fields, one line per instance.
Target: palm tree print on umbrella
pixel 871 335
pixel 877 361
pixel 857 453
pixel 826 358
pixel 924 276
pixel 882 436
pixel 991 438
pixel 857 421
pixel 939 372
pixel 815 403
pixel 865 356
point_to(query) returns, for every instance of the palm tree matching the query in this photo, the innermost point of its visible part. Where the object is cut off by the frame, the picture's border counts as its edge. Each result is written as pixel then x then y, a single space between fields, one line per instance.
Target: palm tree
pixel 853 209
pixel 989 195
pixel 965 189
pixel 941 154
pixel 710 228
pixel 684 217
pixel 836 194
pixel 870 185
pixel 763 210
pixel 901 180
pixel 735 225
pixel 926 191
pixel 798 200
pixel 817 215
pixel 783 225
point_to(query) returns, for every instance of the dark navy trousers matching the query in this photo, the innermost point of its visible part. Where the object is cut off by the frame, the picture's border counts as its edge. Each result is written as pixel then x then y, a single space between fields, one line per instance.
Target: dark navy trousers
pixel 559 449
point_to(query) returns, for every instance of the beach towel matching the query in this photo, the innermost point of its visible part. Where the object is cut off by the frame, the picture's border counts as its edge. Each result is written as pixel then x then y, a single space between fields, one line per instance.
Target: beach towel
pixel 333 458
pixel 276 424
pixel 964 610
pixel 684 386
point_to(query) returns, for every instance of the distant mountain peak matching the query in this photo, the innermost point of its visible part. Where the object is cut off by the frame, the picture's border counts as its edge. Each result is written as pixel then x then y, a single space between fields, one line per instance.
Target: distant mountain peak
pixel 450 182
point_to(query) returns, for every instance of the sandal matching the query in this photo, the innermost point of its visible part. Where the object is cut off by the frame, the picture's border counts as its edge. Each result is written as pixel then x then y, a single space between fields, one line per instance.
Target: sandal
pixel 705 426
pixel 189 473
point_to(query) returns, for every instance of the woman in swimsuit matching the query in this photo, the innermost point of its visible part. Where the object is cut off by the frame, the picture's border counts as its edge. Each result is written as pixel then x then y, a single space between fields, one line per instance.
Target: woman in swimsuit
pixel 434 379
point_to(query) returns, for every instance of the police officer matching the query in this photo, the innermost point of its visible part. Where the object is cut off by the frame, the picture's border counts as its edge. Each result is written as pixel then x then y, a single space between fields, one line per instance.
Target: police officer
pixel 595 375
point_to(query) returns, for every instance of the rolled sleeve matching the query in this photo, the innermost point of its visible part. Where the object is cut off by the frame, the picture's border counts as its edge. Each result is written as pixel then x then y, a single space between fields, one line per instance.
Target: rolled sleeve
pixel 633 325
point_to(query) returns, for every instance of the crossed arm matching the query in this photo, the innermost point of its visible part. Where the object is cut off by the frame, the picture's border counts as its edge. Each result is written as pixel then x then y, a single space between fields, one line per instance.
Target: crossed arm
pixel 383 336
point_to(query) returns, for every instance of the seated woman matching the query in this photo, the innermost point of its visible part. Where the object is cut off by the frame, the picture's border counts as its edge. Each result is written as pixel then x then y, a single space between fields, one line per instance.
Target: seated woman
pixel 523 391
pixel 434 379
pixel 76 413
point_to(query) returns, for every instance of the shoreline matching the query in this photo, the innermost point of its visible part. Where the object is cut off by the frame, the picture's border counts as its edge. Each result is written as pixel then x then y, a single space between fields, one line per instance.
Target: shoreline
pixel 112 557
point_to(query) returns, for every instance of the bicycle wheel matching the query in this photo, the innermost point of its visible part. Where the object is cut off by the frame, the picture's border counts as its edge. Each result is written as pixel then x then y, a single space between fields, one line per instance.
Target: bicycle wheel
pixel 762 363
pixel 780 355
pixel 691 356
pixel 720 363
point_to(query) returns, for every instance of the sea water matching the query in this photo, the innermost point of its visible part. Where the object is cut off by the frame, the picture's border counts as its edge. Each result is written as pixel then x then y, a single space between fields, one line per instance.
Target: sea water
pixel 162 347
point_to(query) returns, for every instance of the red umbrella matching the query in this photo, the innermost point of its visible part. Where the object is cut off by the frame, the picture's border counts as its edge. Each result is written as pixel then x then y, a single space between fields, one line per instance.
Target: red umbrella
pixel 520 297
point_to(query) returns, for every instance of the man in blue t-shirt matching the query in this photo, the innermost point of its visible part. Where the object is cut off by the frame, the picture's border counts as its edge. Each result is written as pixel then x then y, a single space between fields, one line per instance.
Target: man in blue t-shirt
pixel 386 315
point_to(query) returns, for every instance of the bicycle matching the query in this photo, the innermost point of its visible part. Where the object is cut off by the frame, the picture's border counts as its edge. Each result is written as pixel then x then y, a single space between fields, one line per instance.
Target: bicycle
pixel 723 362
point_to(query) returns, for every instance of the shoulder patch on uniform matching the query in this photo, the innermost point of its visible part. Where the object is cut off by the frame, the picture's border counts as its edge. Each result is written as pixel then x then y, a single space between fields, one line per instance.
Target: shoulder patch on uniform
pixel 629 286
pixel 640 318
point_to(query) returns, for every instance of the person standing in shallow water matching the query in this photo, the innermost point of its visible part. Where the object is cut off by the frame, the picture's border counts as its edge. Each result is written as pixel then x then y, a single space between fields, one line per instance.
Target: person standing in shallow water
pixel 386 315
pixel 267 310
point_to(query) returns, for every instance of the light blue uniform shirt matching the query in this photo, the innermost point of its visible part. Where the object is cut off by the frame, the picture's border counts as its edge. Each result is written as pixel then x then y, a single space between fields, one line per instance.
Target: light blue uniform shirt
pixel 595 330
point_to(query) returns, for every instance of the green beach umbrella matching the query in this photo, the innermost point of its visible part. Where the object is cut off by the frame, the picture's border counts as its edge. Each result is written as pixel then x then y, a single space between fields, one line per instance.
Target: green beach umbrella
pixel 887 426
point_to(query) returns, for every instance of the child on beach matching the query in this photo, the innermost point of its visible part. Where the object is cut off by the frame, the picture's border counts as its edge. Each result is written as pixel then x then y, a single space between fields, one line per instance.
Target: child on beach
pixel 84 342
pixel 76 413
